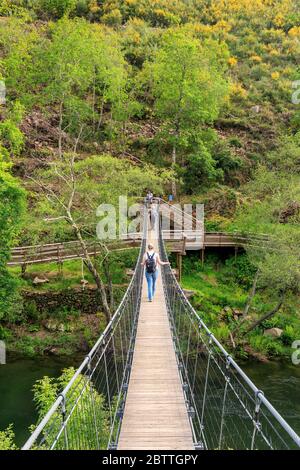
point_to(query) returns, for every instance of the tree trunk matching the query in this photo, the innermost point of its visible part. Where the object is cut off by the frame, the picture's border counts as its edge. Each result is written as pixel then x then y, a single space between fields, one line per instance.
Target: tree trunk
pixel 89 264
pixel 267 315
pixel 109 283
pixel 251 295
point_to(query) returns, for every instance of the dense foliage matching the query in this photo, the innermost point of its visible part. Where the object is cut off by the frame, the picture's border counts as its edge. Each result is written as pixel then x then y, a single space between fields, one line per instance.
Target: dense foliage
pixel 192 96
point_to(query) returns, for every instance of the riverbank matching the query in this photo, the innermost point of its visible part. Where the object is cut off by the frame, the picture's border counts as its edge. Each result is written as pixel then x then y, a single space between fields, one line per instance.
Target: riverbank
pixel 17 378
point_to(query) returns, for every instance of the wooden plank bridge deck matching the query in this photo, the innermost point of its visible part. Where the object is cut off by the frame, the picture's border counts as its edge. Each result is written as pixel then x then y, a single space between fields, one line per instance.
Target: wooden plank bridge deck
pixel 155 415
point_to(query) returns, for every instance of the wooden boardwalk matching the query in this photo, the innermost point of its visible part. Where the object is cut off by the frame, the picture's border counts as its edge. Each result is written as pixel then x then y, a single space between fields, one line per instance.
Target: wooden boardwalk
pixel 155 416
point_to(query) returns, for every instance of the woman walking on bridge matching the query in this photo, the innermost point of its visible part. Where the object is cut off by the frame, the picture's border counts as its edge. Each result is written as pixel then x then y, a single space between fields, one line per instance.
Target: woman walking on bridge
pixel 151 261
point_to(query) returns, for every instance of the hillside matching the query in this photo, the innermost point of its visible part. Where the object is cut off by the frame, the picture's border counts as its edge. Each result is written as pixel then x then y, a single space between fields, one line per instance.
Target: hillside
pixel 195 97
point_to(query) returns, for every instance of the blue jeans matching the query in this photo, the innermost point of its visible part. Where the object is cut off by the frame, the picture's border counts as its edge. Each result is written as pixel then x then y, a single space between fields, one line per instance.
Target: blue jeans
pixel 151 281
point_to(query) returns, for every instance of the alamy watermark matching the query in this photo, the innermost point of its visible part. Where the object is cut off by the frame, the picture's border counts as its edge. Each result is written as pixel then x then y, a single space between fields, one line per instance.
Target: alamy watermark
pixel 296 353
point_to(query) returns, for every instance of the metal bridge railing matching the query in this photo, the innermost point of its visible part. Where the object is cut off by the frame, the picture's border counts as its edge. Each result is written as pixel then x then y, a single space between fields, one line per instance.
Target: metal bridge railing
pixel 226 410
pixel 87 414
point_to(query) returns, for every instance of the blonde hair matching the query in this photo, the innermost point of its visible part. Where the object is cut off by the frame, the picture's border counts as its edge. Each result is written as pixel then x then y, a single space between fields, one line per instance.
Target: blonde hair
pixel 150 246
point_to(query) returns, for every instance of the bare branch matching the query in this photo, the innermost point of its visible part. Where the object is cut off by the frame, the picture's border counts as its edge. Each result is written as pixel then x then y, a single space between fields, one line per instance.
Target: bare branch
pixel 49 192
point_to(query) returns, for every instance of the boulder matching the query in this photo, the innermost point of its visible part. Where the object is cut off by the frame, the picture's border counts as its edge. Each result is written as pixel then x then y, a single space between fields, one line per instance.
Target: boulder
pixel 227 309
pixel 61 328
pixel 51 326
pixel 255 109
pixel 37 280
pixel 273 332
pixel 129 272
pixel 51 350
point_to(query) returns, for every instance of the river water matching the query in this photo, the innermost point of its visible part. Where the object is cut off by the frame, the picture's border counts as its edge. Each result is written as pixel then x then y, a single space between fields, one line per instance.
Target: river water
pixel 280 383
pixel 17 378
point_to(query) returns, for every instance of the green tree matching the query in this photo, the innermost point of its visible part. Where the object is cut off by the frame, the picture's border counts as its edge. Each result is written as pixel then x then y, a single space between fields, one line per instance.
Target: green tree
pixel 75 187
pixel 200 166
pixel 55 8
pixel 81 85
pixel 15 7
pixel 12 204
pixel 11 137
pixel 82 419
pixel 65 73
pixel 287 156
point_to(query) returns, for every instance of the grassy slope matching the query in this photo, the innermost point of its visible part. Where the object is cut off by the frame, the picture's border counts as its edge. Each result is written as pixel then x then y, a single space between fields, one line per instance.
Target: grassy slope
pixel 218 284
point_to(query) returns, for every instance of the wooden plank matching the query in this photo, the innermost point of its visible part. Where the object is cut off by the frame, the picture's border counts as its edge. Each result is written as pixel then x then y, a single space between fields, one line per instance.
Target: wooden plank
pixel 155 415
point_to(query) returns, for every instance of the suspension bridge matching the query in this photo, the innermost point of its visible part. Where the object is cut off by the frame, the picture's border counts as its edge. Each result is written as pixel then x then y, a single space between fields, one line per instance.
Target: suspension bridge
pixel 157 378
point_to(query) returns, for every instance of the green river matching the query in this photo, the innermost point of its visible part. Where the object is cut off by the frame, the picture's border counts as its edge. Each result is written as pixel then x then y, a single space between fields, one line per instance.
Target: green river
pixel 280 383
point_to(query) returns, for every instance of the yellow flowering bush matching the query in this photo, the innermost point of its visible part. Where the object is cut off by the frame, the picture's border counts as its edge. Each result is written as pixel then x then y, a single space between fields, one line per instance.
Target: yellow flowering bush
pixel 294 32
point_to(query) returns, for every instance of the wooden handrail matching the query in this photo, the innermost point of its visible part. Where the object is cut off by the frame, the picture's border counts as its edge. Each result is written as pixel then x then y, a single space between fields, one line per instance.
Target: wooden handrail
pixel 55 252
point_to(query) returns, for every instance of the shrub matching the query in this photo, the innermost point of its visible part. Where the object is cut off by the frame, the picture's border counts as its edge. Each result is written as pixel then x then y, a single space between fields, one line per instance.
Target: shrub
pixel 7 439
pixel 30 310
pixel 34 328
pixel 226 160
pixel 63 313
pixel 45 393
pixel 10 299
pixel 289 335
pixel 56 8
pixel 267 345
pixel 216 223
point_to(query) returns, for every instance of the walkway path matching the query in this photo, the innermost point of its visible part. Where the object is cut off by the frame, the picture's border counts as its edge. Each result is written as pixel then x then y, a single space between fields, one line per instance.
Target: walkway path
pixel 155 416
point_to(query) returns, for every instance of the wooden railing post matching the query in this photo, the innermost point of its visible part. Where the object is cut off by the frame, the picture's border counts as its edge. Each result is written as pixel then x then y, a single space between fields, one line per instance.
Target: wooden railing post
pixel 183 245
pixel 59 262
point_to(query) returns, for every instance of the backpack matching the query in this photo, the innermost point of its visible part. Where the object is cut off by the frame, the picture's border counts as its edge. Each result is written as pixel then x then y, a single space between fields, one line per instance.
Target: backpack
pixel 150 264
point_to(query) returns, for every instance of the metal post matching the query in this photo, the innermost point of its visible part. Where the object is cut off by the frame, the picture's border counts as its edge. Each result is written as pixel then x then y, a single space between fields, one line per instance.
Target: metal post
pixel 107 387
pixel 179 267
pixel 63 414
pixel 202 256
